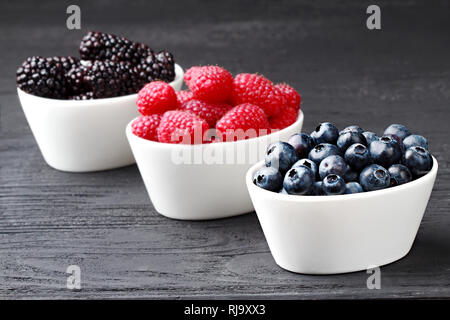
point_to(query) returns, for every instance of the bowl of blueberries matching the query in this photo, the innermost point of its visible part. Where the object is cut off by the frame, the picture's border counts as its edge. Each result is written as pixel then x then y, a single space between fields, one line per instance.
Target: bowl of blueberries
pixel 342 201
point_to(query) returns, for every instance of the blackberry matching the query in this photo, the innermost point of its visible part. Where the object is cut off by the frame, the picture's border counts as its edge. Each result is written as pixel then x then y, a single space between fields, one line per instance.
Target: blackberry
pixel 84 96
pixel 102 46
pixel 43 77
pixel 159 66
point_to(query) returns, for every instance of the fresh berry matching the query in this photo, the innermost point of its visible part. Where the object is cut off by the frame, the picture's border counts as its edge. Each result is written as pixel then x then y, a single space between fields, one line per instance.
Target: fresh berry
pixel 374 177
pixel 317 189
pixel 397 129
pixel 291 96
pixel 346 139
pixel 103 46
pixel 44 77
pixel 325 132
pixel 280 155
pixel 83 96
pixel 353 128
pixel 156 66
pixel 242 122
pixel 181 127
pixel 399 141
pixel 307 163
pixel 299 181
pixel 258 90
pixel 210 83
pixel 415 140
pixel 353 187
pixel 183 96
pixel 188 75
pixel 284 119
pixel 418 160
pixel 357 156
pixel 268 178
pixel 385 151
pixel 302 143
pixel 207 111
pixel 321 151
pixel 333 164
pixel 146 127
pixel 156 97
pixel 400 174
pixel 351 175
pixel 370 137
pixel 333 185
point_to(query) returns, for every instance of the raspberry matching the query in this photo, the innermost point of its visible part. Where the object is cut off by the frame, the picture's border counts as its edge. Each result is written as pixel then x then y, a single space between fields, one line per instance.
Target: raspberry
pixel 146 126
pixel 207 111
pixel 291 95
pixel 245 116
pixel 209 83
pixel 189 73
pixel 284 119
pixel 183 96
pixel 181 127
pixel 156 97
pixel 257 90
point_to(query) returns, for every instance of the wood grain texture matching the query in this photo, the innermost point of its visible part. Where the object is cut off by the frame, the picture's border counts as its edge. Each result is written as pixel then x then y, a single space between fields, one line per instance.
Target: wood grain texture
pixel 105 222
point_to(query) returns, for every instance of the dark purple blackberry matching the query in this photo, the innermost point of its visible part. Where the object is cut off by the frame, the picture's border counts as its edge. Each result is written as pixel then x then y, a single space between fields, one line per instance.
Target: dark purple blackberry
pixel 43 77
pixel 159 66
pixel 103 46
pixel 84 96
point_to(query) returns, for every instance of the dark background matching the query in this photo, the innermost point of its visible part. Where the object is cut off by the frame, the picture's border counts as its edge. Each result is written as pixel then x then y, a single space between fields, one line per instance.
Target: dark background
pixel 105 222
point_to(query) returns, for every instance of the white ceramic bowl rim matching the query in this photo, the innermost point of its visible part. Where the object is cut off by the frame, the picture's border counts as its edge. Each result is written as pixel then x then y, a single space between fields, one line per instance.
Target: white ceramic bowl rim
pixel 341 197
pixel 188 146
pixel 179 74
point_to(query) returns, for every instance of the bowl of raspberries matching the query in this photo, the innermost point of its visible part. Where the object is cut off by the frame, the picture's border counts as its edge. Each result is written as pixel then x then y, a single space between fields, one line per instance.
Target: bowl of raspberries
pixel 78 107
pixel 342 201
pixel 193 147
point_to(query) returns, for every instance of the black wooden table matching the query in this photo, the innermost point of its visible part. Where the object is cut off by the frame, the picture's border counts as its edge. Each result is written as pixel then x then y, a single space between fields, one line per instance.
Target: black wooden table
pixel 105 223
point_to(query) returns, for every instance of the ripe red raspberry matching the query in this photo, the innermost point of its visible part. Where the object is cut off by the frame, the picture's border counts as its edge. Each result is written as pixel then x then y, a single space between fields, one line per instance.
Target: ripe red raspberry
pixel 211 112
pixel 292 97
pixel 189 73
pixel 209 83
pixel 183 96
pixel 181 127
pixel 146 127
pixel 285 118
pixel 245 116
pixel 156 97
pixel 257 90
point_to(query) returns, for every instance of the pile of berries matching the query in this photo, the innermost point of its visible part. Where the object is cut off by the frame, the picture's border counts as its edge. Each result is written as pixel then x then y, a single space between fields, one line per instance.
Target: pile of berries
pixel 333 162
pixel 110 66
pixel 215 108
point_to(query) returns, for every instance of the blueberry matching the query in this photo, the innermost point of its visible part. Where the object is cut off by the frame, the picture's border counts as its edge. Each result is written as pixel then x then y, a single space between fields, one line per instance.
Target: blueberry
pixel 333 184
pixel 302 144
pixel 400 174
pixel 317 189
pixel 282 191
pixel 332 165
pixel 418 160
pixel 268 178
pixel 299 180
pixel 415 140
pixel 397 129
pixel 374 177
pixel 358 156
pixel 351 175
pixel 346 139
pixel 353 128
pixel 385 151
pixel 321 151
pixel 308 163
pixel 399 141
pixel 353 187
pixel 281 156
pixel 370 137
pixel 325 133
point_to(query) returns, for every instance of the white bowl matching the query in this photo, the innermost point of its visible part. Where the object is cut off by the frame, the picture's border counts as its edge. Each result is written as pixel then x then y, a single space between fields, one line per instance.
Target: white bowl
pixel 201 189
pixel 81 136
pixel 342 233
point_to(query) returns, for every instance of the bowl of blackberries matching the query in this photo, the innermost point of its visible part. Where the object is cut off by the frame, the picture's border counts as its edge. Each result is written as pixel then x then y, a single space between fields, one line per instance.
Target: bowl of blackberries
pixel 342 201
pixel 78 106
